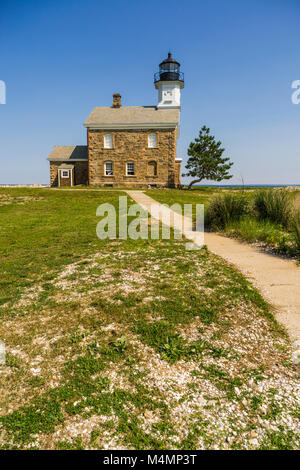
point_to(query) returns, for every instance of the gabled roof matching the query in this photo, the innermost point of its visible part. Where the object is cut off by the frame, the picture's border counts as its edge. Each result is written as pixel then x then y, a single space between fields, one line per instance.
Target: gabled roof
pixel 132 117
pixel 73 153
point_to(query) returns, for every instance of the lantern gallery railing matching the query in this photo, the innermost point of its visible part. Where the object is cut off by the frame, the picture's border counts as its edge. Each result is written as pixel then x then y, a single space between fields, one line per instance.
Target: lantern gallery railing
pixel 168 76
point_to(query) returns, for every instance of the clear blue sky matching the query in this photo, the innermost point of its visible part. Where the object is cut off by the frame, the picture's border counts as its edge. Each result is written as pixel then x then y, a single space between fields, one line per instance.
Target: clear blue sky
pixel 59 59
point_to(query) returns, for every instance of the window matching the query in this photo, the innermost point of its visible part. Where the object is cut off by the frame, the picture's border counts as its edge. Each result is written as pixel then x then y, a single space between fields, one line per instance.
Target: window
pixel 152 141
pixel 108 168
pixel 65 174
pixel 152 168
pixel 130 169
pixel 108 141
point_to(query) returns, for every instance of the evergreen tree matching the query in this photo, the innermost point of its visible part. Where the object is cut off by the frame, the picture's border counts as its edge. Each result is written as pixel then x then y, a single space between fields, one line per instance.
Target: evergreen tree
pixel 206 160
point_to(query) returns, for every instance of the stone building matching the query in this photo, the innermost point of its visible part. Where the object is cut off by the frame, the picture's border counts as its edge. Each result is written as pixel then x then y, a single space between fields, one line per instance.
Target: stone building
pixel 127 146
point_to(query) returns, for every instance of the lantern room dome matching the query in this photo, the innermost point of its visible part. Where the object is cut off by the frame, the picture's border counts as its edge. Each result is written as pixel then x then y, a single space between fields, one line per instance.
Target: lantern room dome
pixel 169 60
pixel 169 70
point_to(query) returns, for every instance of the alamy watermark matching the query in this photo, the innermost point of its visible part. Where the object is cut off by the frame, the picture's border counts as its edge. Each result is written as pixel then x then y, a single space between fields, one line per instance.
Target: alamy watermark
pixel 296 94
pixel 2 92
pixel 159 220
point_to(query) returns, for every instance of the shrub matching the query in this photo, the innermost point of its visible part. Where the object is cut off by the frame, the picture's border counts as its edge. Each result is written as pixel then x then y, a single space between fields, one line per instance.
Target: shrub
pixel 224 209
pixel 275 206
pixel 296 228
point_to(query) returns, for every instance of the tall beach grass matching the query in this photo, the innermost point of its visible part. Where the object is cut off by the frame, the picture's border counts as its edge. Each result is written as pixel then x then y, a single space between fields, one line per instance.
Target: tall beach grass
pixel 224 209
pixel 296 229
pixel 275 206
pixel 268 217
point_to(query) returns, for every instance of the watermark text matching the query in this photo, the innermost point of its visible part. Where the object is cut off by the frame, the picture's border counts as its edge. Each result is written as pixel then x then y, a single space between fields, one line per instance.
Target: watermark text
pixel 159 220
pixel 2 92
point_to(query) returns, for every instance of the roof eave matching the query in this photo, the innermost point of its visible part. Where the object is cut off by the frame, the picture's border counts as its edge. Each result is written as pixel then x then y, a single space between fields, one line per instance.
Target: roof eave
pixel 66 159
pixel 141 125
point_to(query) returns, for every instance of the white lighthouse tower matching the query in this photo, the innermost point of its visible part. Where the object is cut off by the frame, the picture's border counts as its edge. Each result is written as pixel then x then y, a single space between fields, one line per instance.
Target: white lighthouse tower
pixel 169 81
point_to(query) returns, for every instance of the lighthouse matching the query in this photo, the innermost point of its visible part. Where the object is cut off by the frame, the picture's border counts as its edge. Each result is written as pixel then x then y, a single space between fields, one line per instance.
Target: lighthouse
pixel 127 146
pixel 169 81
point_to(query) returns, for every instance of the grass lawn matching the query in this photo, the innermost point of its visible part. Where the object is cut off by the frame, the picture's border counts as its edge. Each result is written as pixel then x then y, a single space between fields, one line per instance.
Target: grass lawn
pixel 132 344
pixel 194 196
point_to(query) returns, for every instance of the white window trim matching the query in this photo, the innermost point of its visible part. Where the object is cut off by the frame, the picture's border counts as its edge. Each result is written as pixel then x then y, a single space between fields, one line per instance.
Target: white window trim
pixel 150 146
pixel 65 171
pixel 112 169
pixel 132 163
pixel 111 145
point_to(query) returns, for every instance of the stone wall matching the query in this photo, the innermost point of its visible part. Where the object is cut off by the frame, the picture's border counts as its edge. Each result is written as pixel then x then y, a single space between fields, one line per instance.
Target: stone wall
pixel 80 173
pixel 53 173
pixel 177 173
pixel 132 146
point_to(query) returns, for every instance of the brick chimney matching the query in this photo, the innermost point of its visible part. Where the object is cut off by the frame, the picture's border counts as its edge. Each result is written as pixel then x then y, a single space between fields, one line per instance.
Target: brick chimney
pixel 117 100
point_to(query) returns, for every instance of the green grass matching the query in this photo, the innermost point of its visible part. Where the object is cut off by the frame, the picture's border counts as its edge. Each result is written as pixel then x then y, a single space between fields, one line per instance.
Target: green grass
pixel 296 228
pixel 273 235
pixel 275 206
pixel 194 196
pixel 270 230
pixel 176 196
pixel 133 344
pixel 69 222
pixel 226 208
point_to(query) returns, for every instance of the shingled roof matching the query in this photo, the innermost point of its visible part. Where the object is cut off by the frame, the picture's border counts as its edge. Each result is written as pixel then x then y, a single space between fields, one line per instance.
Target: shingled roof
pixel 61 153
pixel 132 117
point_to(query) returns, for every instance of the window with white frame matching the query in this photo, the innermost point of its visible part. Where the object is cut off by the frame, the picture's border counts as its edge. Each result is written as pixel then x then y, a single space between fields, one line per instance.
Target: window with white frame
pixel 130 169
pixel 109 168
pixel 65 173
pixel 152 141
pixel 108 141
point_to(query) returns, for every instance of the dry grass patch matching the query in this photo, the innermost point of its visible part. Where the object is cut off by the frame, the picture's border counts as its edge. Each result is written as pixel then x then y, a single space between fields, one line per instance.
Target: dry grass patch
pixel 148 348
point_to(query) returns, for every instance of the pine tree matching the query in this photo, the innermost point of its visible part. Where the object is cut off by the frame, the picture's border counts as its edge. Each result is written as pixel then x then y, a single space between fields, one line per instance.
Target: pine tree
pixel 206 160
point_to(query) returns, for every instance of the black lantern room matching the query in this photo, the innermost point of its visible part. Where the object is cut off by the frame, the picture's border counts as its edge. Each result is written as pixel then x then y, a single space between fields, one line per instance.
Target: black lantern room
pixel 169 70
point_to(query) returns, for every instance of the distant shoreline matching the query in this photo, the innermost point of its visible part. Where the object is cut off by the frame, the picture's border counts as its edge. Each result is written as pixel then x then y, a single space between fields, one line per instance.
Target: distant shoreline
pixel 297 186
pixel 24 185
